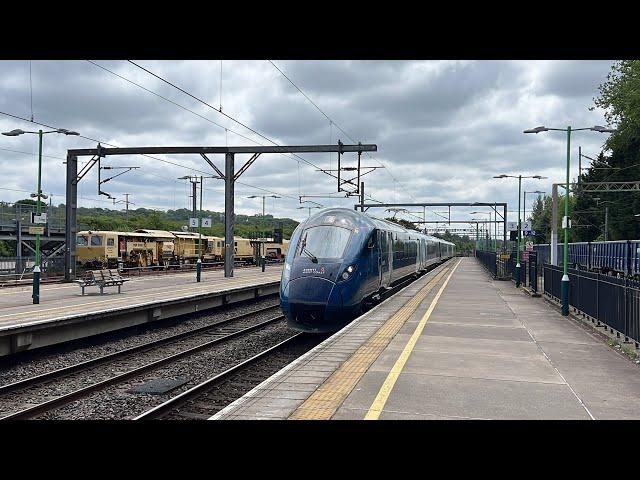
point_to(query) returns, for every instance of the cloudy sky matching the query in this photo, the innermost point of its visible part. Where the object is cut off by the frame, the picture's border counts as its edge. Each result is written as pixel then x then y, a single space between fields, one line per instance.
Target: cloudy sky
pixel 443 128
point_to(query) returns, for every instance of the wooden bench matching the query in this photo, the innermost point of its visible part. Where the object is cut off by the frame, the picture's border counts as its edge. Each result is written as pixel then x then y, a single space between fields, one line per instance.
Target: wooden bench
pixel 101 279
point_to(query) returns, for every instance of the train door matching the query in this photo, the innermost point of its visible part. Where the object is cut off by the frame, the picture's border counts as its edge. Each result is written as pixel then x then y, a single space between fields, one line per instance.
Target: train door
pixel 384 266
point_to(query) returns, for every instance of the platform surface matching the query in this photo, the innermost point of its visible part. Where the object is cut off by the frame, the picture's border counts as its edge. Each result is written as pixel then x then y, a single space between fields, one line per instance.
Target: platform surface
pixel 486 351
pixel 64 300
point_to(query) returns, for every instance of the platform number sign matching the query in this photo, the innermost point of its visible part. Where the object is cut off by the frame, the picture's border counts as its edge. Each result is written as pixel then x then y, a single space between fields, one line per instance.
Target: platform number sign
pixel 193 222
pixel 206 222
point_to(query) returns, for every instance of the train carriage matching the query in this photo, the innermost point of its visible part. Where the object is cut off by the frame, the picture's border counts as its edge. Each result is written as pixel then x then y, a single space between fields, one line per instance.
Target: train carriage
pixel 102 248
pixel 340 261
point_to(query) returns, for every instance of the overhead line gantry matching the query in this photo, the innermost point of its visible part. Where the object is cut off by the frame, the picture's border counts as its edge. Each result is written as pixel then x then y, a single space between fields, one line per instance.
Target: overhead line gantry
pixel 229 176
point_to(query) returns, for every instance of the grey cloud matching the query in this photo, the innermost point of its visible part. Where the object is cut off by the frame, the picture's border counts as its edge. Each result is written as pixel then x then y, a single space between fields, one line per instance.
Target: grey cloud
pixel 443 128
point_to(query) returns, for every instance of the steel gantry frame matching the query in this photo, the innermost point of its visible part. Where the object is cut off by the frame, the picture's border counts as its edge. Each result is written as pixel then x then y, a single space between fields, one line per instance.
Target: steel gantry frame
pixel 494 205
pixel 229 176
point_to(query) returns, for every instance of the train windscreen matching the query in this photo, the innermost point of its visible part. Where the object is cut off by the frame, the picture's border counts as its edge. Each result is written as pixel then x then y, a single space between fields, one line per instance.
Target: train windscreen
pixel 324 241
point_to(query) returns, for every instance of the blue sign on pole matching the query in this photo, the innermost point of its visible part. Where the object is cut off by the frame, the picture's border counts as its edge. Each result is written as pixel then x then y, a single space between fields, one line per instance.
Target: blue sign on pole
pixel 530 233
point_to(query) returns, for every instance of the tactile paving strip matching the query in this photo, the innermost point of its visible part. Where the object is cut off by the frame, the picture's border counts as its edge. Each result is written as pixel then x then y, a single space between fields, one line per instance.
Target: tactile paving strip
pixel 325 401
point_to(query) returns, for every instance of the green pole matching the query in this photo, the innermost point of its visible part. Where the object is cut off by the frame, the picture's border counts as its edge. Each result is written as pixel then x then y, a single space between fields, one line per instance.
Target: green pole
pixel 519 233
pixel 36 269
pixel 199 263
pixel 565 267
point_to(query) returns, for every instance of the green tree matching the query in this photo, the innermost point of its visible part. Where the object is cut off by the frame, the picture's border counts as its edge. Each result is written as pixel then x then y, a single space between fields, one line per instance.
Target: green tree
pixel 620 99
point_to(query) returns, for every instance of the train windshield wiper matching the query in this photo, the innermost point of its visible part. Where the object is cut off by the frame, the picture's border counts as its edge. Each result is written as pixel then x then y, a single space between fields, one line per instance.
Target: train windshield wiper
pixel 314 259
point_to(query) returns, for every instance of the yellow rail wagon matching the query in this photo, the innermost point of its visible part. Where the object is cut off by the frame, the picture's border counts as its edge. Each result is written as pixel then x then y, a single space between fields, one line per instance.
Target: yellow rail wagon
pixel 243 250
pixel 214 250
pixel 186 246
pixel 276 250
pixel 165 244
pixel 102 248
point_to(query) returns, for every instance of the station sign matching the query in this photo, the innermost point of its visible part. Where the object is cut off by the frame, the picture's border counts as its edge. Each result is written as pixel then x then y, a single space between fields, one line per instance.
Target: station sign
pixel 505 256
pixel 526 226
pixel 512 226
pixel 530 233
pixel 529 246
pixel 36 230
pixel 35 218
pixel 206 222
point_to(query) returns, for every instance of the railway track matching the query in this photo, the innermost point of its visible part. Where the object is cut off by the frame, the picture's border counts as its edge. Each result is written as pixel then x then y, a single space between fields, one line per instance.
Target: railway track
pixel 167 350
pixel 212 395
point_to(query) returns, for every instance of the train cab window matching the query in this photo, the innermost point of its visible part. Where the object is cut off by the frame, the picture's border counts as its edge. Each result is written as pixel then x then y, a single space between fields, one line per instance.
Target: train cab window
pixel 219 244
pixel 96 241
pixel 324 241
pixel 82 240
pixel 236 244
pixel 110 242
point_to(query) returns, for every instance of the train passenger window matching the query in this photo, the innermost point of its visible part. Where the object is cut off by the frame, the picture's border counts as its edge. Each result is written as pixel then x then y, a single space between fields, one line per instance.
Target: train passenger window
pixel 82 240
pixel 110 242
pixel 96 241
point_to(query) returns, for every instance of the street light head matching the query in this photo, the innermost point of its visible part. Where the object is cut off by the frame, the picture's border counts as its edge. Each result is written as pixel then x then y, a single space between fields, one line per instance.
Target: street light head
pixel 539 177
pixel 186 177
pixel 252 196
pixel 66 132
pixel 500 176
pixel 536 130
pixel 14 133
pixel 601 129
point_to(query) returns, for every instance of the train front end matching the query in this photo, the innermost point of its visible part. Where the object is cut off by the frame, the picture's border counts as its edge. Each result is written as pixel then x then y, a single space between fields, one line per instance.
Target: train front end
pixel 319 291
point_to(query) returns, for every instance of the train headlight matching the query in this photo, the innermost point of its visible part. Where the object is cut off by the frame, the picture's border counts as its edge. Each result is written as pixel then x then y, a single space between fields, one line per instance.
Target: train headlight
pixel 346 275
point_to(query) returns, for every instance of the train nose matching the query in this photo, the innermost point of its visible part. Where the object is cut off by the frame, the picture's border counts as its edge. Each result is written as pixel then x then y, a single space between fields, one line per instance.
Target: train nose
pixel 313 303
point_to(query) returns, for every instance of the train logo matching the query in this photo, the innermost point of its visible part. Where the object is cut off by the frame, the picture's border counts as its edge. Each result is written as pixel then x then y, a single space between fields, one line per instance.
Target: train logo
pixel 320 270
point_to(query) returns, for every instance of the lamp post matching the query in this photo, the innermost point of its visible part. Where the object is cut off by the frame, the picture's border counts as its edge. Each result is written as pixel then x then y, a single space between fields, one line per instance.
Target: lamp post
pixel 299 208
pixel 565 220
pixel 39 195
pixel 263 198
pixel 194 181
pixel 519 177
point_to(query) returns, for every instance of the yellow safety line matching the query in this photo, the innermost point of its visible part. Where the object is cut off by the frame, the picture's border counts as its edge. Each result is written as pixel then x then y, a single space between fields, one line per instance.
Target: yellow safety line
pixel 199 289
pixel 325 401
pixel 383 395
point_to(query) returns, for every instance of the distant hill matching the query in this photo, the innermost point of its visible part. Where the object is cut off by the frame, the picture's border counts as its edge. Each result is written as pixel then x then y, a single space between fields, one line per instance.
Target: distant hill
pixel 105 219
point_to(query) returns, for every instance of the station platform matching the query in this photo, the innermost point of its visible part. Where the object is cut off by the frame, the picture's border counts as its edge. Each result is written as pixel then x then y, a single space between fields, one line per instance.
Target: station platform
pixel 455 344
pixel 64 314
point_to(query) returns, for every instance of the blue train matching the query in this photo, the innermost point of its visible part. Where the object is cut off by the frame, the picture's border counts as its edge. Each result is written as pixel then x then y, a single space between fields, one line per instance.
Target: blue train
pixel 620 257
pixel 340 261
